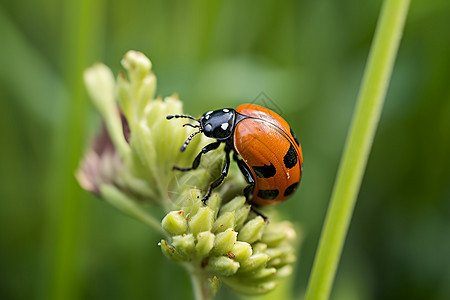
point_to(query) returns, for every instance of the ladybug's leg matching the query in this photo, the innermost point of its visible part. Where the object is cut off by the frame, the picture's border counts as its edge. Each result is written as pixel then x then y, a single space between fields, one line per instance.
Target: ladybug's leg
pixel 196 162
pixel 247 174
pixel 249 189
pixel 256 211
pixel 218 181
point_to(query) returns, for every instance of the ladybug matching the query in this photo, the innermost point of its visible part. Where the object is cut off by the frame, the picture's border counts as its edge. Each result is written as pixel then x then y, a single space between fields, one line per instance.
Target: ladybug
pixel 263 145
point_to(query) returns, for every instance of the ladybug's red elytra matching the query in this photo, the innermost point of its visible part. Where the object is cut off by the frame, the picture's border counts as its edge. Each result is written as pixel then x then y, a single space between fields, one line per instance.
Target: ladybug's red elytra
pixel 263 145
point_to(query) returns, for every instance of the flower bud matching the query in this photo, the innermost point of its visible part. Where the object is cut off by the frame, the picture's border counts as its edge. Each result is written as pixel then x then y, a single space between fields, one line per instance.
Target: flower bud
pixel 223 266
pixel 259 247
pixel 224 242
pixel 275 233
pixel 184 244
pixel 273 238
pixel 274 252
pixel 264 273
pixel 252 230
pixel 214 284
pixel 205 242
pixel 174 223
pixel 171 252
pixel 224 222
pixel 137 64
pixel 254 262
pixel 146 91
pixel 247 286
pixel 100 84
pixel 190 202
pixel 233 205
pixel 125 94
pixel 281 256
pixel 241 215
pixel 201 221
pixel 241 251
pixel 214 203
pixel 284 271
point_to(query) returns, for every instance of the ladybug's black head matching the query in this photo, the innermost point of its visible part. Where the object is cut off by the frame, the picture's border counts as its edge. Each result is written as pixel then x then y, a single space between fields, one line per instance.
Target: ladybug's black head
pixel 218 124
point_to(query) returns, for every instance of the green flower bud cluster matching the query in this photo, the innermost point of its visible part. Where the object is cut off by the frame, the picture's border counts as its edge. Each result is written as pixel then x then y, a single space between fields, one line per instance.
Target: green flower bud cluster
pixel 130 166
pixel 229 242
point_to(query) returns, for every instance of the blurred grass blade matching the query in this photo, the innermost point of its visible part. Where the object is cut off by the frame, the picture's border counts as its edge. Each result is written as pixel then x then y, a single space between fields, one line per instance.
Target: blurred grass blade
pixel 29 76
pixel 359 141
pixel 68 220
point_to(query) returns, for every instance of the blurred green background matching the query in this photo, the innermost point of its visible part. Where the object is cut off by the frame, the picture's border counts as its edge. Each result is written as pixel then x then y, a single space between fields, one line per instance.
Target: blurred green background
pixel 59 242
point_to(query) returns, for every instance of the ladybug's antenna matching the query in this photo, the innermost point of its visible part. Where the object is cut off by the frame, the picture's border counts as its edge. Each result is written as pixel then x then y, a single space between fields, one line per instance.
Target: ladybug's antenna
pixel 181 116
pixel 189 140
pixel 186 143
pixel 189 124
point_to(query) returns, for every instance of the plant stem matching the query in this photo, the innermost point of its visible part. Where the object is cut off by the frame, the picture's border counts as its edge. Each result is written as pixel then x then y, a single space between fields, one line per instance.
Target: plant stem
pixel 359 141
pixel 123 203
pixel 201 290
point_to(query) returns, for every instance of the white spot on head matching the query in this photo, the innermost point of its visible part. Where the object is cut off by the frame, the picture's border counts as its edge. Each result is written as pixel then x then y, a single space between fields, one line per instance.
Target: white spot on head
pixel 207 117
pixel 224 126
pixel 209 112
pixel 225 110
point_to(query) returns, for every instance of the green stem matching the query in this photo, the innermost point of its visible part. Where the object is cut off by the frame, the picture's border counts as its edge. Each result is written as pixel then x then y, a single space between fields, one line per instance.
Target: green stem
pixel 359 141
pixel 199 284
pixel 122 202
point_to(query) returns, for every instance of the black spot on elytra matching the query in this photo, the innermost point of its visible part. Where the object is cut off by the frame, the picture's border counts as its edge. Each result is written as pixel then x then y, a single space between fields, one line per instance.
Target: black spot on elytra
pixel 265 171
pixel 290 159
pixel 290 189
pixel 295 138
pixel 268 194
